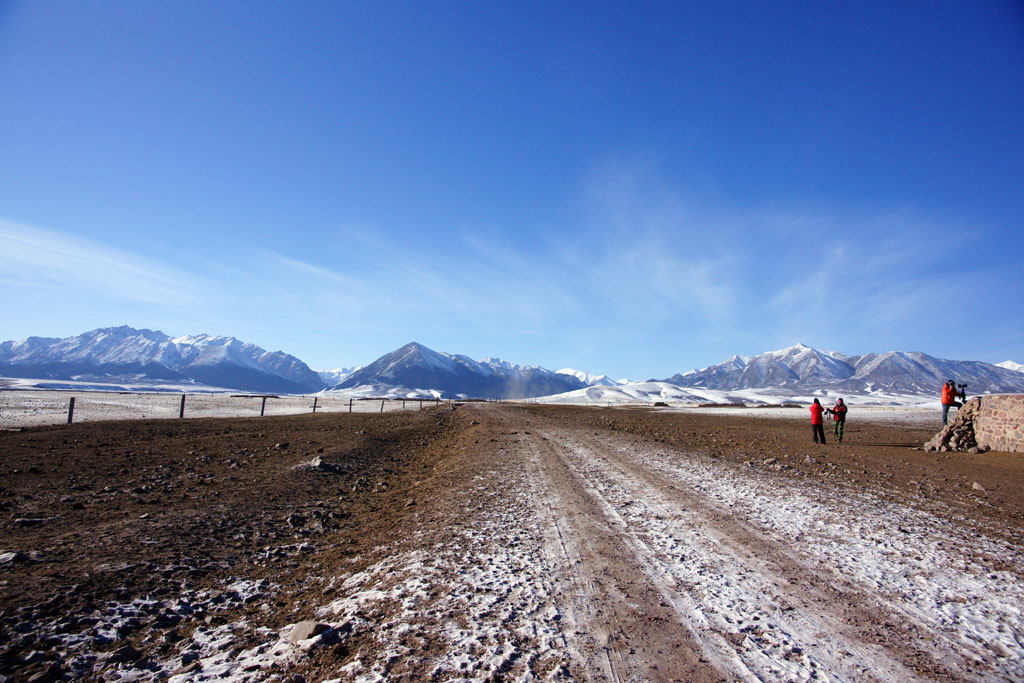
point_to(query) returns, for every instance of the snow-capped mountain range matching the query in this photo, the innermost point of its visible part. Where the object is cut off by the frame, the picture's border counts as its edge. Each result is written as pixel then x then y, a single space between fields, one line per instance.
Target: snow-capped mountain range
pixel 145 357
pixel 593 380
pixel 335 376
pixel 801 368
pixel 149 359
pixel 418 370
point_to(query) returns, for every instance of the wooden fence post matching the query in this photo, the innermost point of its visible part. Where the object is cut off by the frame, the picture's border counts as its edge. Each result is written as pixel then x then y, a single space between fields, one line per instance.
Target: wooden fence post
pixel 350 405
pixel 264 406
pixel 71 409
pixel 315 398
pixel 382 405
pixel 181 411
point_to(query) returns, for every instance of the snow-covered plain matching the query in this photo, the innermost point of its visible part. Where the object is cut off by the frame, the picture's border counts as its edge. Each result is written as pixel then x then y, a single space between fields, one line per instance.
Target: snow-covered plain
pixel 651 392
pixel 23 403
pixel 32 402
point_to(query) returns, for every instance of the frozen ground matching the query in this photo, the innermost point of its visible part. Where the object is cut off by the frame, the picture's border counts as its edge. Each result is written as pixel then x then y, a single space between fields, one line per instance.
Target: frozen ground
pixel 563 544
pixel 24 408
pixel 575 556
pixel 23 404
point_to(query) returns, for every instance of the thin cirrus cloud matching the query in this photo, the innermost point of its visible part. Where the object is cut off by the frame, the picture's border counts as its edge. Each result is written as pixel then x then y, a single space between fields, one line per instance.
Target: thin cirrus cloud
pixel 467 276
pixel 41 259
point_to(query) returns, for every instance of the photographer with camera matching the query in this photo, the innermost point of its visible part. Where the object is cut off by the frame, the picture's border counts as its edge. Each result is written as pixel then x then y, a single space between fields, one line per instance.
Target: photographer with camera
pixel 950 393
pixel 838 413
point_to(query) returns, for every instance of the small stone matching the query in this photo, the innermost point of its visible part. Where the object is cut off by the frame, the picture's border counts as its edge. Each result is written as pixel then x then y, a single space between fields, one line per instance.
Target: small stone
pixel 978 487
pixel 126 653
pixel 305 630
pixel 191 667
pixel 12 558
pixel 28 521
pixel 53 674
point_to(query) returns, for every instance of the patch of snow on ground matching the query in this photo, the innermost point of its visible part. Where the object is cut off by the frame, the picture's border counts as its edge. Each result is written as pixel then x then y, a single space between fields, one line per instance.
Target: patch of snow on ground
pixel 941 579
pixel 484 607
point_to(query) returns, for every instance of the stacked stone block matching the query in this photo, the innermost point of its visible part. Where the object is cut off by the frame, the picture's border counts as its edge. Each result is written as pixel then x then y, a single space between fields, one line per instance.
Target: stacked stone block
pixel 1000 424
pixel 984 423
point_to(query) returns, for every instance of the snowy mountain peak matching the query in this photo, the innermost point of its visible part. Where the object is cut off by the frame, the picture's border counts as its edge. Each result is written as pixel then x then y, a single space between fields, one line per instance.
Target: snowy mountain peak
pixel 417 370
pixel 589 379
pixel 1010 365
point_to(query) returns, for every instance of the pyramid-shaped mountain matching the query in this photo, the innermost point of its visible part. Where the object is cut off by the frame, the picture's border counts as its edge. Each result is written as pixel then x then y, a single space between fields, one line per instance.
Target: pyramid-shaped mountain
pixel 422 370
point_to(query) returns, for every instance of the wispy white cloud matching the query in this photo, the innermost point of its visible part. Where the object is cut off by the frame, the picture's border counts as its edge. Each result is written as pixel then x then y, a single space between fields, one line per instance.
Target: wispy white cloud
pixel 40 259
pixel 472 276
pixel 648 252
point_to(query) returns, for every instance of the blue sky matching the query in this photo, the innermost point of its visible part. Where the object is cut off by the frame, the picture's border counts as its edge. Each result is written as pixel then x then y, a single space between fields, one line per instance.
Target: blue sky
pixel 625 188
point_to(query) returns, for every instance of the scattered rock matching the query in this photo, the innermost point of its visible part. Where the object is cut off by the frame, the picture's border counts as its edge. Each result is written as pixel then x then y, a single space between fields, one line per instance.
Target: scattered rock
pixel 978 487
pixel 51 675
pixel 12 558
pixel 124 654
pixel 304 630
pixel 191 667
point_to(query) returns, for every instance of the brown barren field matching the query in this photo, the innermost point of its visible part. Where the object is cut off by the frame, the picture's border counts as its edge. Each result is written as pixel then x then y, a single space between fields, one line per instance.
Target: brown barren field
pixel 498 542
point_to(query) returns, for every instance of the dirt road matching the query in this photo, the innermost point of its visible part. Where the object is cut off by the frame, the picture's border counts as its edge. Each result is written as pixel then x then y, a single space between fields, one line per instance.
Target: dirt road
pixel 555 544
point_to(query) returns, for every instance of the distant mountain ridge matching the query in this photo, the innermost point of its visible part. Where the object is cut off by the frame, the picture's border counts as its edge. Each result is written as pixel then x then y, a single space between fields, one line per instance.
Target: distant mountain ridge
pixel 124 354
pixel 592 380
pixel 416 370
pixel 332 377
pixel 803 368
pixel 150 358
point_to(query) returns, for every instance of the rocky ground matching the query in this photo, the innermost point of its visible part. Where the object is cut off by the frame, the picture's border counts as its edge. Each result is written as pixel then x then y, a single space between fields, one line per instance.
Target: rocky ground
pixel 496 542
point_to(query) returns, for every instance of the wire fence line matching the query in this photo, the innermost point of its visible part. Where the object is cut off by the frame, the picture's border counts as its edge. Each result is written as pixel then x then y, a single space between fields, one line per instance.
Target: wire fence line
pixel 25 408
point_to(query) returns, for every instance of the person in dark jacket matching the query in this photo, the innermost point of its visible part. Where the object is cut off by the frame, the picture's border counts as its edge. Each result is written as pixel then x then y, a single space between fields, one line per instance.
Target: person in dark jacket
pixel 817 421
pixel 838 413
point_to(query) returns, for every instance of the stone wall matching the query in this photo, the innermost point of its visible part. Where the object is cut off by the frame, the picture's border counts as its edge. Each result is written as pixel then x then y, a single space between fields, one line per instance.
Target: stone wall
pixel 984 423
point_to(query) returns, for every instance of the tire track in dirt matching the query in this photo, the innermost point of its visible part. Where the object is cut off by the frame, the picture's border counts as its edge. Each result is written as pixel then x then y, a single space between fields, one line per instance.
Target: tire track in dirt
pixel 622 626
pixel 918 599
pixel 776 613
pixel 746 602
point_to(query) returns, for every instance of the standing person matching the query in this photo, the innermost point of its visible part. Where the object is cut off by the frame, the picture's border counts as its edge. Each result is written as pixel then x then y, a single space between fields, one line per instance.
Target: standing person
pixel 949 395
pixel 838 413
pixel 817 428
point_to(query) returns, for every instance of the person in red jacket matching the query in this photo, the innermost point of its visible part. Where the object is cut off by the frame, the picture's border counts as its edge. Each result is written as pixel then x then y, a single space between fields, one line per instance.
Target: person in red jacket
pixel 817 422
pixel 949 396
pixel 838 413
